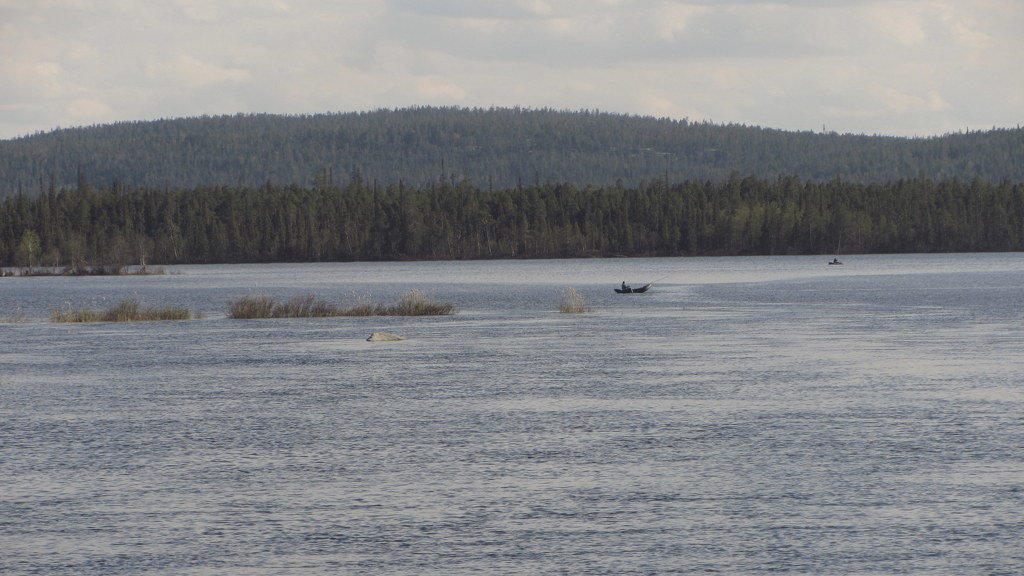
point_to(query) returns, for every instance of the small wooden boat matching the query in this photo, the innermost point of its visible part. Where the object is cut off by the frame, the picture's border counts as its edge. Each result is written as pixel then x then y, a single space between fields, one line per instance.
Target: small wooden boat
pixel 835 262
pixel 629 290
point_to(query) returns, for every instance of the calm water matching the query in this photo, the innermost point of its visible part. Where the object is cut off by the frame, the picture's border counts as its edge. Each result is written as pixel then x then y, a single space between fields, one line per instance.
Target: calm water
pixel 746 416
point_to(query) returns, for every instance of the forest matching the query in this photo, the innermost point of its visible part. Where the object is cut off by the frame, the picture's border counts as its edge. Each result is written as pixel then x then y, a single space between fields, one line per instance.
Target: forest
pixel 78 228
pixel 494 148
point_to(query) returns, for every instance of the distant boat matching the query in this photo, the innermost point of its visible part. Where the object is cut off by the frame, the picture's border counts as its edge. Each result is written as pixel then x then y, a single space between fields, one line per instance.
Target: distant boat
pixel 627 290
pixel 835 261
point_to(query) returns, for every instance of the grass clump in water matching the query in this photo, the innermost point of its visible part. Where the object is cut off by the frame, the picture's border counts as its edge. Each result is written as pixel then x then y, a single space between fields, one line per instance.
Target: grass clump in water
pixel 306 306
pixel 66 313
pixel 127 310
pixel 16 317
pixel 413 303
pixel 247 307
pixel 263 306
pixel 572 302
pixel 363 306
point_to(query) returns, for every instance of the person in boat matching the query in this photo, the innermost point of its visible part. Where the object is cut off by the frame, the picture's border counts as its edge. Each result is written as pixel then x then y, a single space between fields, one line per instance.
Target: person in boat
pixel 624 286
pixel 835 261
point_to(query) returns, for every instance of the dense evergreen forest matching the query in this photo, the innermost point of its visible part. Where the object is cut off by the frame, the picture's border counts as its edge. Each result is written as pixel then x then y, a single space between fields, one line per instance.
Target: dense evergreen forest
pixel 77 228
pixel 496 148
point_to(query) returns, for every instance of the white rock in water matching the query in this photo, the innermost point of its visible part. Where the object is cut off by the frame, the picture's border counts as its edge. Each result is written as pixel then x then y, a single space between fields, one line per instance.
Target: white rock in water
pixel 384 337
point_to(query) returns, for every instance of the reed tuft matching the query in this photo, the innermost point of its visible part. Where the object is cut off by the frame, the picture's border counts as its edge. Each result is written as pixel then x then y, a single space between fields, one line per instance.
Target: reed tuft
pixel 572 302
pixel 127 310
pixel 66 313
pixel 263 306
pixel 305 306
pixel 16 317
pixel 363 306
pixel 414 303
pixel 248 307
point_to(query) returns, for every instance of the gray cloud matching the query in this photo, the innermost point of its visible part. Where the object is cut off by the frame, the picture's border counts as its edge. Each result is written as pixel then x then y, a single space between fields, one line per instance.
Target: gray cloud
pixel 909 67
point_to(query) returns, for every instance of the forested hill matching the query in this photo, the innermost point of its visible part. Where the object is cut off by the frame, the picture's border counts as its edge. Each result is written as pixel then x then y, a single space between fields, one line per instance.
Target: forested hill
pixel 492 148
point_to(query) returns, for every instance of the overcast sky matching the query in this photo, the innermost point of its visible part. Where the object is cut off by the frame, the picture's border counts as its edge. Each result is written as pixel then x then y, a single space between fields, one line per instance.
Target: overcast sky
pixel 901 67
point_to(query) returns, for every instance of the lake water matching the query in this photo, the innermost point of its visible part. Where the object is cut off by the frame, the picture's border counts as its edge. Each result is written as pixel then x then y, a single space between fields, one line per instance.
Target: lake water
pixel 746 416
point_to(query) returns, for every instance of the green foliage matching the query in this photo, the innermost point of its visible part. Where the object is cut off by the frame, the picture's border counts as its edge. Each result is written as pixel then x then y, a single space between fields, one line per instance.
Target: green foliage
pixel 494 148
pixel 366 222
pixel 28 249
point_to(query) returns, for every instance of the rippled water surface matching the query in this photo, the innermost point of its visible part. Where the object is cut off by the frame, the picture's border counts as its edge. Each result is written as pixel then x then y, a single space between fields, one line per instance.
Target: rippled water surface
pixel 745 416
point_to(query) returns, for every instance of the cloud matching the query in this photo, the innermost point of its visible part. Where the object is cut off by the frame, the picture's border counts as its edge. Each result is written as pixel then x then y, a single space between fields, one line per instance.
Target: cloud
pixel 87 109
pixel 675 21
pixel 189 72
pixel 433 88
pixel 39 79
pixel 907 67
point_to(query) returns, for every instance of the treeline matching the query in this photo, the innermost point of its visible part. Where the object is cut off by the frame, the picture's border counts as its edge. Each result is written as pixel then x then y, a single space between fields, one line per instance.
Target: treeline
pixel 82 227
pixel 493 148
